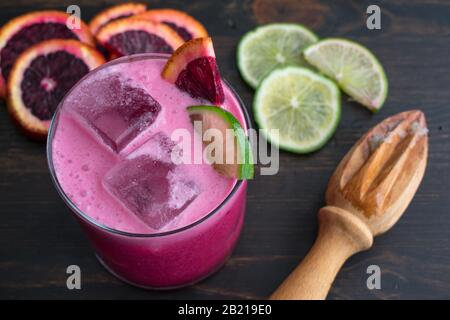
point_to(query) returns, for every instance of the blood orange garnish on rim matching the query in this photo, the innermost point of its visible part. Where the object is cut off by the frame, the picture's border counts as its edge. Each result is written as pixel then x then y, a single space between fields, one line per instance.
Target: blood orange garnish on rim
pixel 133 35
pixel 40 78
pixel 186 26
pixel 193 68
pixel 119 11
pixel 24 31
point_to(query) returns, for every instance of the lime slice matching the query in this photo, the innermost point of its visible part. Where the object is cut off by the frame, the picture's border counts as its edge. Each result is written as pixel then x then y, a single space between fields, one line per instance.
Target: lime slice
pixel 354 67
pixel 212 117
pixel 305 107
pixel 272 46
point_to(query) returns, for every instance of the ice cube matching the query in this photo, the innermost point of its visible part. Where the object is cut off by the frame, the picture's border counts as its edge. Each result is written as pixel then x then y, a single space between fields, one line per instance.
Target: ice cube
pixel 117 110
pixel 152 189
pixel 159 147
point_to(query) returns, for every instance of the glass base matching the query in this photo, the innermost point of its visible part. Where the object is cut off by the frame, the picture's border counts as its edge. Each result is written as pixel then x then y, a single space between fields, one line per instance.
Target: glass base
pixel 161 288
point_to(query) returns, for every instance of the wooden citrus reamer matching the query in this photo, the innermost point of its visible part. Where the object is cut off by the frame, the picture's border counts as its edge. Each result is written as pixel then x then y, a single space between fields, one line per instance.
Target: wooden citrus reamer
pixel 367 194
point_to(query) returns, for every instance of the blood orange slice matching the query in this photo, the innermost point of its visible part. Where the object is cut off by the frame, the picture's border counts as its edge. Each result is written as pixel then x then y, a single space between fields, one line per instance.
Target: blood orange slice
pixel 119 11
pixel 24 31
pixel 193 68
pixel 40 78
pixel 133 35
pixel 186 26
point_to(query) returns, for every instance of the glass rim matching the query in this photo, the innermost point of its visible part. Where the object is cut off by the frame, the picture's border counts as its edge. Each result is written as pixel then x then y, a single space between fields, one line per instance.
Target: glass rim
pixel 92 221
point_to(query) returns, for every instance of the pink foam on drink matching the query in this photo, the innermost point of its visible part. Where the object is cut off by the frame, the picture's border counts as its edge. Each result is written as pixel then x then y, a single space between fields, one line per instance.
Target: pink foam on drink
pixel 82 159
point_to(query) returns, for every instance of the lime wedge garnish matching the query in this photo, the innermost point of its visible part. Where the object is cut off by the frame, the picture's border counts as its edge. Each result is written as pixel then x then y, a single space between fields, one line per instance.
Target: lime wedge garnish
pixel 354 67
pixel 272 46
pixel 305 107
pixel 212 117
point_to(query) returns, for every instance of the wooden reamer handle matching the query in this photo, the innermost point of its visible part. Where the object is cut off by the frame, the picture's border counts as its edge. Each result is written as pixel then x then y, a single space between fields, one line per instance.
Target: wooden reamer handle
pixel 341 234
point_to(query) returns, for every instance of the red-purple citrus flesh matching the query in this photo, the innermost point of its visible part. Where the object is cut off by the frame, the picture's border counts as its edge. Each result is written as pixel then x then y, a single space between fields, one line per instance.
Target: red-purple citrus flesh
pixel 193 68
pixel 40 78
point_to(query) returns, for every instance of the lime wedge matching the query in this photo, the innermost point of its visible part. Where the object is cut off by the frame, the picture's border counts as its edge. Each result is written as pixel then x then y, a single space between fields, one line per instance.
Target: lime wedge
pixel 305 107
pixel 212 117
pixel 272 46
pixel 354 67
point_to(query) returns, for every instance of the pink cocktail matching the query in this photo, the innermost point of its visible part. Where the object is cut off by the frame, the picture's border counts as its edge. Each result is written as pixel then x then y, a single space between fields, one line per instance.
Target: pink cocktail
pixel 153 223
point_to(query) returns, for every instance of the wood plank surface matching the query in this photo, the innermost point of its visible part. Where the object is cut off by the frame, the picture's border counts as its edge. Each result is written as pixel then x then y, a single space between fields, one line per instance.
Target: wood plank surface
pixel 39 238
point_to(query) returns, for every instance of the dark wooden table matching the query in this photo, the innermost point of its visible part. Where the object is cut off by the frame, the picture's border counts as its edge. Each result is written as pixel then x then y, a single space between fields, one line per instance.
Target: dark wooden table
pixel 39 238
